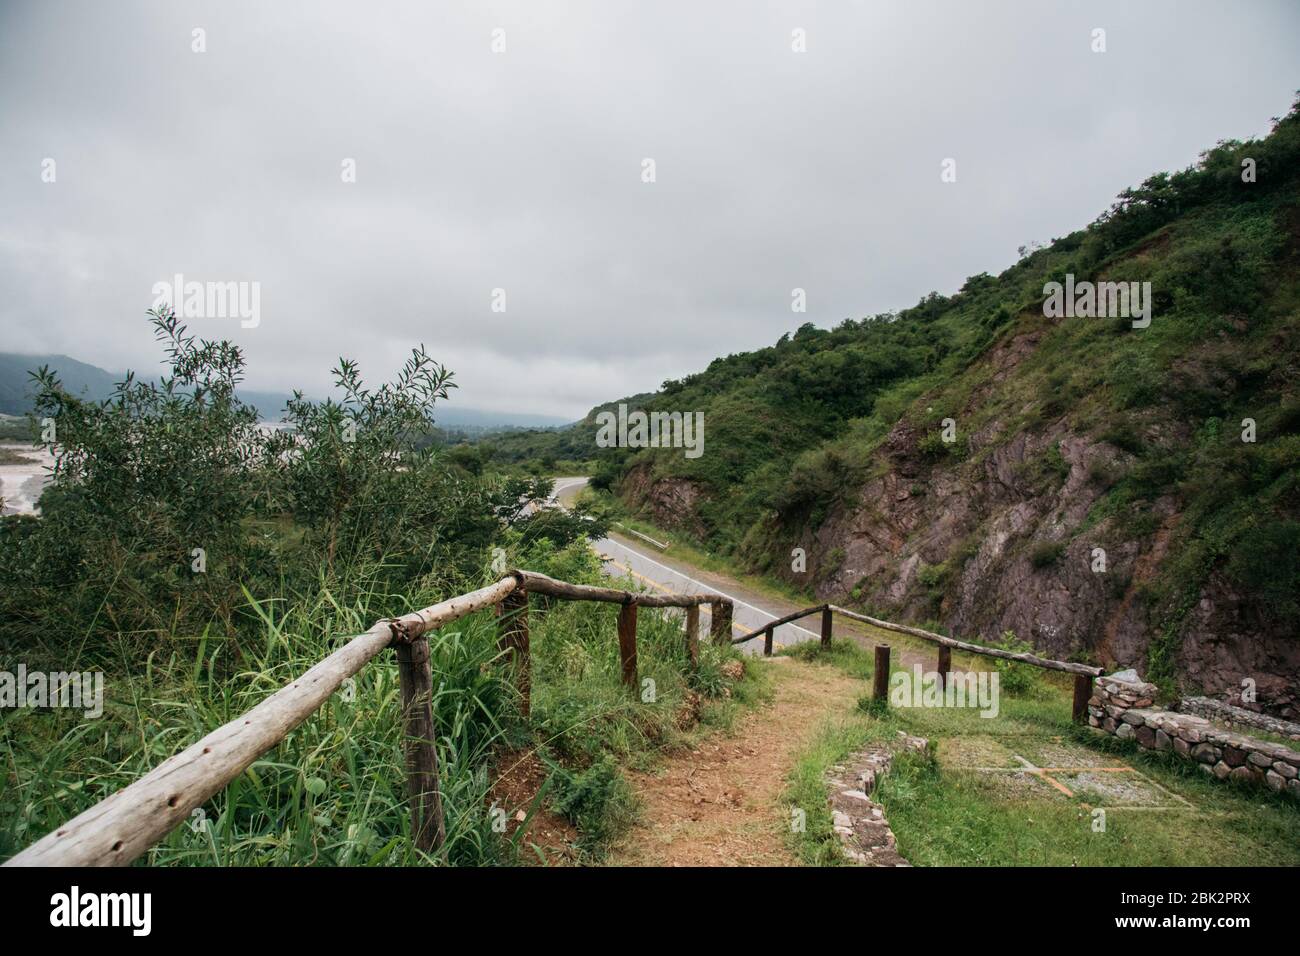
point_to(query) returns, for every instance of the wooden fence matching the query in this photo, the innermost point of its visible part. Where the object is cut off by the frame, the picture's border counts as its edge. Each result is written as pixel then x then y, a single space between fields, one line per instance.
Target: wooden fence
pixel 1083 673
pixel 123 826
pixel 120 828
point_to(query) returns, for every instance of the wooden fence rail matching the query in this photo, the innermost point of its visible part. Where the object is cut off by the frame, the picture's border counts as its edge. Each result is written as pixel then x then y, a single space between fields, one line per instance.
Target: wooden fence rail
pixel 121 827
pixel 767 629
pixel 1083 673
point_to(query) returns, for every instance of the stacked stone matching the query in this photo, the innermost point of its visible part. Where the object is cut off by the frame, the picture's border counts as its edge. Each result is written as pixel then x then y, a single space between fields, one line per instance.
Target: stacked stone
pixel 859 822
pixel 1113 695
pixel 1121 705
pixel 1225 713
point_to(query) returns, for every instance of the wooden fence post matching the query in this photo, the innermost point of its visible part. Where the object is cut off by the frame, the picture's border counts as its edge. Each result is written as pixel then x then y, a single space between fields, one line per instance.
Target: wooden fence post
pixel 512 636
pixel 880 687
pixel 767 643
pixel 693 635
pixel 720 626
pixel 826 627
pixel 427 825
pixel 945 665
pixel 1082 691
pixel 627 643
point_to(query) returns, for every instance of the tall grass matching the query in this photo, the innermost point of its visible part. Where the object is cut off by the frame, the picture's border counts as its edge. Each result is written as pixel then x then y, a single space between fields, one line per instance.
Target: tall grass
pixel 333 792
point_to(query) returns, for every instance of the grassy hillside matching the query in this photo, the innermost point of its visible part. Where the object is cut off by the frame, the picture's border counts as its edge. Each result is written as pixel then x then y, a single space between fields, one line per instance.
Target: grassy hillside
pixel 1071 434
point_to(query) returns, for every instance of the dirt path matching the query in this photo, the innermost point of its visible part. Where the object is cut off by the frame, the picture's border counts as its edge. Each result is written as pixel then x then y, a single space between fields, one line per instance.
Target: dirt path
pixel 719 805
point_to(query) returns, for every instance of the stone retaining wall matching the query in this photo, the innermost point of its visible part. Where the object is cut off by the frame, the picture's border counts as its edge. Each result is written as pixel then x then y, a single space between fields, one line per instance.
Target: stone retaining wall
pixel 864 834
pixel 1238 717
pixel 1122 705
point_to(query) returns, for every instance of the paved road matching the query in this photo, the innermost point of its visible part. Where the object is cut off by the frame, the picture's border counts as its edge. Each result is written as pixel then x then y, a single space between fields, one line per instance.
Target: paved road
pixel 660 573
pixel 566 489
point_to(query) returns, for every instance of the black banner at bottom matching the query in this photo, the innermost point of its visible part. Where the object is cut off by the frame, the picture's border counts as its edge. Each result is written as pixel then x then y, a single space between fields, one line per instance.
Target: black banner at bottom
pixel 334 906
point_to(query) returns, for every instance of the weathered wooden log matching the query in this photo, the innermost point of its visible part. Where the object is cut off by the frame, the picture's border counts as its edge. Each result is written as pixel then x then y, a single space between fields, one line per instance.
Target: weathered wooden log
pixel 512 640
pixel 720 622
pixel 945 665
pixel 673 600
pixel 427 826
pixel 427 619
pixel 1082 691
pixel 767 643
pixel 827 624
pixel 778 622
pixel 627 643
pixel 693 635
pixel 536 583
pixel 1066 666
pixel 880 677
pixel 118 829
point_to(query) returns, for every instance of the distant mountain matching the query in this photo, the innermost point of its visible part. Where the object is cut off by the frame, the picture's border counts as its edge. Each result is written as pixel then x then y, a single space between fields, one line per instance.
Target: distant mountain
pixel 92 382
pixel 573 442
pixel 78 378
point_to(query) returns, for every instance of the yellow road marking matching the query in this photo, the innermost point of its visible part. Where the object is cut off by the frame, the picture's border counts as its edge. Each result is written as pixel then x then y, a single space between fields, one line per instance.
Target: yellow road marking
pixel 666 590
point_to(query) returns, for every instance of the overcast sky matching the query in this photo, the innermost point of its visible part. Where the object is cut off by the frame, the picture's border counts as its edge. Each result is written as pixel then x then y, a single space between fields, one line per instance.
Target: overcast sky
pixel 522 170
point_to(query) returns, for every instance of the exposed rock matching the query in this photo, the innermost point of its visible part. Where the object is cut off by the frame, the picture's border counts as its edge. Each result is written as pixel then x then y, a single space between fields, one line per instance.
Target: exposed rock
pixel 997 506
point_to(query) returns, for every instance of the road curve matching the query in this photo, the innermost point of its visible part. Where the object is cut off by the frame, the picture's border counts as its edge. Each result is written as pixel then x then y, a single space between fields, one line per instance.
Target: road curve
pixel 647 568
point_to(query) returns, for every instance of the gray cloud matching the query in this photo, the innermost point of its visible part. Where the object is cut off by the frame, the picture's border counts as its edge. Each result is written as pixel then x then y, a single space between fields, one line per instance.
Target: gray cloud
pixel 522 170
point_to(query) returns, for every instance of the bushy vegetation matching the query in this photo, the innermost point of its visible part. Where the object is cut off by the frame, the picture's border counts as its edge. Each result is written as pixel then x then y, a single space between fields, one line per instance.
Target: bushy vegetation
pixel 795 430
pixel 201 560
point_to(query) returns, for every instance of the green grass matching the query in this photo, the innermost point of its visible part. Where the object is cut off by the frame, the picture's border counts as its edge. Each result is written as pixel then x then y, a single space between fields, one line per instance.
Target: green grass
pixel 946 813
pixel 333 792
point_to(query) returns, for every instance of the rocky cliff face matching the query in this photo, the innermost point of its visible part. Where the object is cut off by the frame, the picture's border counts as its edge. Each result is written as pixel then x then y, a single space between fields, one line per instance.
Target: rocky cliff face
pixel 886 546
pixel 998 542
pixel 670 502
pixel 1122 492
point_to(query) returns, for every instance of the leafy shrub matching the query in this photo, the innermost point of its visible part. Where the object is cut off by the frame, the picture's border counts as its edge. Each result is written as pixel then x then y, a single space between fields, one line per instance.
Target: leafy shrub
pixel 1015 678
pixel 1265 562
pixel 597 800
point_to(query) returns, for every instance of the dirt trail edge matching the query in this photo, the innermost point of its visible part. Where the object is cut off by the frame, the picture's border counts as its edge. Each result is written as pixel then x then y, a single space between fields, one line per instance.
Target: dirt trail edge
pixel 718 805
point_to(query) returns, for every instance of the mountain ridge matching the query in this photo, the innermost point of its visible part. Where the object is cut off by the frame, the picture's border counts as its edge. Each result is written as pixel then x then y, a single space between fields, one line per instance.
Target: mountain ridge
pixel 84 379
